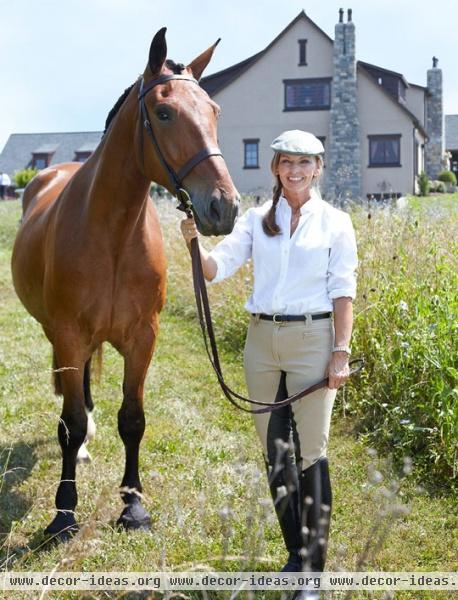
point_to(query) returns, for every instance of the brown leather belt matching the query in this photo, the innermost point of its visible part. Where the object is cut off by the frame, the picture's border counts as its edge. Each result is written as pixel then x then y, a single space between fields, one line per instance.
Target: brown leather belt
pixel 277 318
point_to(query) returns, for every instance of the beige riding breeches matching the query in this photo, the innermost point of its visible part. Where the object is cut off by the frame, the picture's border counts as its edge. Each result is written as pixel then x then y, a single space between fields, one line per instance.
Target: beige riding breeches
pixel 280 360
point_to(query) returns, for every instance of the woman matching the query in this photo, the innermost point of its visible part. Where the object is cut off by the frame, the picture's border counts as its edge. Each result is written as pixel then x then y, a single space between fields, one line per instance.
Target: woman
pixel 304 261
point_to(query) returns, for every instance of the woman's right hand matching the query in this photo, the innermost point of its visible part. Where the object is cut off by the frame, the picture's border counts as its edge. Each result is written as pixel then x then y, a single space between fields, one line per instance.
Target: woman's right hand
pixel 188 229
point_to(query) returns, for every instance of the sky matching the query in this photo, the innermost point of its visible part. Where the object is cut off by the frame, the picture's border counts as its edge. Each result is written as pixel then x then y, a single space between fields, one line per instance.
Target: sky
pixel 63 63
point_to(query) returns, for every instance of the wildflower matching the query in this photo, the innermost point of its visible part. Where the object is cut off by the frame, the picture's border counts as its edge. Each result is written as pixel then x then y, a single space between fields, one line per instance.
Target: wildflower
pixel 407 468
pixel 376 477
pixel 403 305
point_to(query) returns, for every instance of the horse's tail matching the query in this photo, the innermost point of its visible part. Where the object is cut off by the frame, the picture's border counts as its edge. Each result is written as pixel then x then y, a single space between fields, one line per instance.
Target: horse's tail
pixel 87 375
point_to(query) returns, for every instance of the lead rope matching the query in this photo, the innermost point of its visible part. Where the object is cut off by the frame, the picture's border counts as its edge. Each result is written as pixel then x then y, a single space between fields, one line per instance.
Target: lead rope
pixel 206 325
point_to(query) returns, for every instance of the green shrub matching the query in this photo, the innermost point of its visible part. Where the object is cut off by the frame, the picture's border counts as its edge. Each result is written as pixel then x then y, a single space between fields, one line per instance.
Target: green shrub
pixel 437 186
pixel 447 177
pixel 22 178
pixel 423 183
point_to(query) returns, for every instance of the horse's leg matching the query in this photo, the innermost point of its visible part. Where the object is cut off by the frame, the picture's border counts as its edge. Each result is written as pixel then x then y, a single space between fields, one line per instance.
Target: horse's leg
pixel 83 454
pixel 71 431
pixel 131 425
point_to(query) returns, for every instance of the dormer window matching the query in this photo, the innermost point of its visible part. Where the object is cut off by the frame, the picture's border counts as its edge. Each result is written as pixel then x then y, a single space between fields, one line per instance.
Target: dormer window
pixel 40 160
pixel 302 52
pixel 42 156
pixel 82 156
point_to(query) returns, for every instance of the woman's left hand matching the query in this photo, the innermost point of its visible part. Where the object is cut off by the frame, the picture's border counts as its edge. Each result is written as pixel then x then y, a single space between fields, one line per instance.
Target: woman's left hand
pixel 338 370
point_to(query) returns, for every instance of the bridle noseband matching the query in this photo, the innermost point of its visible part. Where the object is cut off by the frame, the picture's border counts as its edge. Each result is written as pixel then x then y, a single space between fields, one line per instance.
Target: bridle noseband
pixel 176 179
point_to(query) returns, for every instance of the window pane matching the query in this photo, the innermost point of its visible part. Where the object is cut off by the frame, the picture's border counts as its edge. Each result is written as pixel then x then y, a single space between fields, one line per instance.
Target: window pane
pixel 40 163
pixel 384 151
pixel 391 151
pixel 308 95
pixel 251 154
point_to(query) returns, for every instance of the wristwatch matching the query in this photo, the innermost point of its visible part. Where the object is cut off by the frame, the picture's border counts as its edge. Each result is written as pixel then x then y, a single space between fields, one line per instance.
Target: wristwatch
pixel 346 349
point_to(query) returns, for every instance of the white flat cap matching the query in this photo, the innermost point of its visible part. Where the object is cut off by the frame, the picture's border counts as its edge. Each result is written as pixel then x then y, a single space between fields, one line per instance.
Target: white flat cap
pixel 297 142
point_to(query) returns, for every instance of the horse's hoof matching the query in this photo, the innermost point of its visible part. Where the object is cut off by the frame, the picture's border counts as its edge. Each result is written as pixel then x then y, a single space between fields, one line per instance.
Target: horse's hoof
pixel 134 516
pixel 63 527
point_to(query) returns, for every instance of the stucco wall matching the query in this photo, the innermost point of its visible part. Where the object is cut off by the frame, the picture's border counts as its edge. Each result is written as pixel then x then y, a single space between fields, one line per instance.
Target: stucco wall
pixel 415 102
pixel 379 115
pixel 252 106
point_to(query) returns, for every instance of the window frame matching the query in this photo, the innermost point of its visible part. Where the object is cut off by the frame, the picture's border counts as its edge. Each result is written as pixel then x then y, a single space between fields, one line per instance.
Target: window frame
pixel 37 156
pixel 299 81
pixel 246 142
pixel 384 137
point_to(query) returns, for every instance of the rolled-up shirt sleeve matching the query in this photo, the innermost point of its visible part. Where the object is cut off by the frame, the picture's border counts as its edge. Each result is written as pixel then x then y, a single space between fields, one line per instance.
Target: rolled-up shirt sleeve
pixel 343 262
pixel 235 249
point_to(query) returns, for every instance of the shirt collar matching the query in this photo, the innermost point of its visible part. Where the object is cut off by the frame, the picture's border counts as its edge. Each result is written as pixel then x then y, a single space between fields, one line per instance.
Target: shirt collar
pixel 311 206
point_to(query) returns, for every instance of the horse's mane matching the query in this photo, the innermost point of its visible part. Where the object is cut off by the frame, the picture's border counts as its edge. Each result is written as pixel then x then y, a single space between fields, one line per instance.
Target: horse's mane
pixel 176 68
pixel 119 102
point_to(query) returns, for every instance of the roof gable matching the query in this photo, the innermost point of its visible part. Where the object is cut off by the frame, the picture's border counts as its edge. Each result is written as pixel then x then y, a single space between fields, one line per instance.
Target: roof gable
pixel 361 67
pixel 217 81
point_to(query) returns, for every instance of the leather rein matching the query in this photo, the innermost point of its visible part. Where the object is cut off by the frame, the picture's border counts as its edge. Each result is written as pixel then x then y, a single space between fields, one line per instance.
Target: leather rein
pixel 200 288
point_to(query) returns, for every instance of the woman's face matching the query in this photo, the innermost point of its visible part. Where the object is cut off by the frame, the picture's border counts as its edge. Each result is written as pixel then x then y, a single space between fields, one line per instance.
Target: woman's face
pixel 296 172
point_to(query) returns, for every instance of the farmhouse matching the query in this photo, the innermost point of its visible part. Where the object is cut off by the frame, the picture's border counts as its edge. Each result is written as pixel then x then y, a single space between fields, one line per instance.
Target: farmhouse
pixel 379 130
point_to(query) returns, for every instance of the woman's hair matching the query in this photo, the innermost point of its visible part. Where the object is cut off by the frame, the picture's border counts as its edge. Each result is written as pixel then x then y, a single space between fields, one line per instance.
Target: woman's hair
pixel 269 223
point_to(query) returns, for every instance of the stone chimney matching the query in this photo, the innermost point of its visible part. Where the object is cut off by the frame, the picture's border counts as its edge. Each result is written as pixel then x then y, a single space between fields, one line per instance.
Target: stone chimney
pixel 434 147
pixel 343 171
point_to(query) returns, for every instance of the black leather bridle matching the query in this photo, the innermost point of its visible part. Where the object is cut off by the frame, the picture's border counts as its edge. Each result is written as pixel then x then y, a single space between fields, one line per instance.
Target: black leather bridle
pixel 176 179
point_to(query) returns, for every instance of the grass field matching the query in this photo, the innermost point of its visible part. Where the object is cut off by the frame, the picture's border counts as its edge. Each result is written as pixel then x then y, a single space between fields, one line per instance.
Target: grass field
pixel 200 463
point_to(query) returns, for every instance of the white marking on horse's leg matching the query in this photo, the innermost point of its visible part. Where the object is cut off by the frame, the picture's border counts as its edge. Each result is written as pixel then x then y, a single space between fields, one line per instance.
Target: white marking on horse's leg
pixel 91 428
pixel 83 455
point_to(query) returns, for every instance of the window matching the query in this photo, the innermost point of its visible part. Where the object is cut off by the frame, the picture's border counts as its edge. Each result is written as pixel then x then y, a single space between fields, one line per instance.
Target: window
pixel 302 52
pixel 82 156
pixel 384 150
pixel 40 161
pixel 307 94
pixel 251 154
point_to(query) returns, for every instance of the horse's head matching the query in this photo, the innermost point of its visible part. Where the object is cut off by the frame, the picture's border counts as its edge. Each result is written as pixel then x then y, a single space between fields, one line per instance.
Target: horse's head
pixel 181 147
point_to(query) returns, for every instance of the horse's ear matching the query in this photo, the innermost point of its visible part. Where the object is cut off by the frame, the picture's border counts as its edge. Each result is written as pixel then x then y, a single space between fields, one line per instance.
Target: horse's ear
pixel 198 65
pixel 158 51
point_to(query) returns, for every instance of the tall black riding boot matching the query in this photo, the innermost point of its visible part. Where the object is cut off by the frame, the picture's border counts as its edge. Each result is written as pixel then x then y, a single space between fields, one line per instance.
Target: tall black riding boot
pixel 284 488
pixel 316 503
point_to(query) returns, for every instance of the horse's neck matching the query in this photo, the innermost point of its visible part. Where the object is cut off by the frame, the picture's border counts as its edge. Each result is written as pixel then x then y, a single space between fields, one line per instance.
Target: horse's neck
pixel 118 191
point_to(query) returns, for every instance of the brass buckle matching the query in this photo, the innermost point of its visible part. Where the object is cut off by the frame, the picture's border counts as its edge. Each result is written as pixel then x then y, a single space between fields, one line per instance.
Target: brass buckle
pixel 274 319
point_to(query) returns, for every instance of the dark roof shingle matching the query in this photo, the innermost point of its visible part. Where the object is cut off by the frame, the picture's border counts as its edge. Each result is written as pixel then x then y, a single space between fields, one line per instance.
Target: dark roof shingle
pixel 18 150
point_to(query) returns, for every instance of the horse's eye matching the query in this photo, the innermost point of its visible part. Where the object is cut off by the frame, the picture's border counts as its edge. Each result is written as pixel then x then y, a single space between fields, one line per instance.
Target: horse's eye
pixel 162 115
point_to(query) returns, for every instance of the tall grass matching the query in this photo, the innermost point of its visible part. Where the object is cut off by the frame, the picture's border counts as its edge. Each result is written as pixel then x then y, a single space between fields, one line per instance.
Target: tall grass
pixel 406 326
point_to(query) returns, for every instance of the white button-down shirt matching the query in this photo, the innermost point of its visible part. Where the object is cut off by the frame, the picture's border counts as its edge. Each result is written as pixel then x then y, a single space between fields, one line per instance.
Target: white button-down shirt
pixel 293 275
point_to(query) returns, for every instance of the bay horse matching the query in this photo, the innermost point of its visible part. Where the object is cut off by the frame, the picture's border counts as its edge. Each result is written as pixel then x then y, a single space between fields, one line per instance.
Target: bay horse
pixel 88 261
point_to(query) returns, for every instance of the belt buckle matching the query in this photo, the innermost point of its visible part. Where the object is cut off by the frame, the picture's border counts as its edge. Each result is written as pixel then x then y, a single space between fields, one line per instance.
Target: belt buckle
pixel 274 318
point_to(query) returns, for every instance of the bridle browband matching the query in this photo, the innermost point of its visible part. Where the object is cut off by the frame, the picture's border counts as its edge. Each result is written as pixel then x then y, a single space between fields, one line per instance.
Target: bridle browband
pixel 176 179
pixel 200 289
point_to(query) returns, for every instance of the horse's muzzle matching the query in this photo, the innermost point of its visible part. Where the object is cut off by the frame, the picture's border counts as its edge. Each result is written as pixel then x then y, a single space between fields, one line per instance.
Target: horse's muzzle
pixel 217 215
